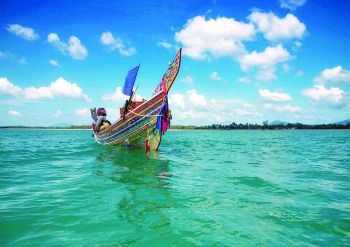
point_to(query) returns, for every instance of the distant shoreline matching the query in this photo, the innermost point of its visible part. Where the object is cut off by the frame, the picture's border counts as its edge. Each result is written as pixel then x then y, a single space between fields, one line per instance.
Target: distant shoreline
pixel 41 129
pixel 46 128
pixel 232 126
pixel 175 129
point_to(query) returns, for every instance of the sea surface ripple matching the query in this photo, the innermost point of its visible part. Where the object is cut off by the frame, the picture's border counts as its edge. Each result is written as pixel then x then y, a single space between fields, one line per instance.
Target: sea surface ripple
pixel 202 188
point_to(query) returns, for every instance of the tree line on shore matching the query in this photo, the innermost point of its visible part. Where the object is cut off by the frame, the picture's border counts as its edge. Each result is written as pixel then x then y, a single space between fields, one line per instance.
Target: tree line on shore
pixel 264 126
pixel 42 127
pixel 232 126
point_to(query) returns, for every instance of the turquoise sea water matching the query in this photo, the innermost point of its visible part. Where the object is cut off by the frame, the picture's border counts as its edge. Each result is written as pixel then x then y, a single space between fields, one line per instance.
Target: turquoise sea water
pixel 203 188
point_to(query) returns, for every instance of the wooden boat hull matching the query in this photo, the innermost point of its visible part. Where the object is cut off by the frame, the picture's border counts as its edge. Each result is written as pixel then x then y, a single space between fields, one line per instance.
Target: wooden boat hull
pixel 139 124
pixel 135 125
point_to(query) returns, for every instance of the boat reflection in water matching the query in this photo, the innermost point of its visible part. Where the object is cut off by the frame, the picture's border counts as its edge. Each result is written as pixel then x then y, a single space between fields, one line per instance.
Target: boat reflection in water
pixel 141 192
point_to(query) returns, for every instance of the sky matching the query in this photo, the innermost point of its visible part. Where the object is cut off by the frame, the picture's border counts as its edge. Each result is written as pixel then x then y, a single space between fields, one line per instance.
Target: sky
pixel 243 61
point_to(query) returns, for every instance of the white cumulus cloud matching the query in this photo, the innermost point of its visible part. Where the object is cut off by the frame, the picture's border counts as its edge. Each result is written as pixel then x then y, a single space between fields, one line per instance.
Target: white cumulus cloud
pixel 291 4
pixel 115 43
pixel 23 32
pixel 187 79
pixel 320 93
pixel 118 96
pixel 73 47
pixel 64 88
pixel 334 75
pixel 275 28
pixel 192 100
pixel 244 79
pixel 7 88
pixel 196 99
pixel 33 93
pixel 265 61
pixel 15 113
pixel 266 74
pixel 194 107
pixel 54 62
pixel 178 100
pixel 274 96
pixel 204 39
pixel 76 49
pixel 55 40
pixel 165 44
pixel 58 88
pixel 82 112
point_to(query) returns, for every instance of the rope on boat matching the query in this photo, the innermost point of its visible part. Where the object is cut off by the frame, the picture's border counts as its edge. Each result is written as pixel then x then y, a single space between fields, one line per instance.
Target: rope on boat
pixel 145 115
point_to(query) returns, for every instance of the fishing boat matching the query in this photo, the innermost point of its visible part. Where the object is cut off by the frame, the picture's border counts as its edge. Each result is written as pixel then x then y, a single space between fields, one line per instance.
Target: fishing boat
pixel 141 122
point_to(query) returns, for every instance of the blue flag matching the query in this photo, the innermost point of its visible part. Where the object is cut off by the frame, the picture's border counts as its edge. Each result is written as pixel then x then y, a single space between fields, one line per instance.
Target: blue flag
pixel 130 81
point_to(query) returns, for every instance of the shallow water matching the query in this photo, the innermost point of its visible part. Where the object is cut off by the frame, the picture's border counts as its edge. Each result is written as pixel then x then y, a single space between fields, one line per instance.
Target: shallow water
pixel 210 188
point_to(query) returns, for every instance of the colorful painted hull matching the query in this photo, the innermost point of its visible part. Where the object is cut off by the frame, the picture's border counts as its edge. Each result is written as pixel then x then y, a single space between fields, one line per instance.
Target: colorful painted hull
pixel 139 123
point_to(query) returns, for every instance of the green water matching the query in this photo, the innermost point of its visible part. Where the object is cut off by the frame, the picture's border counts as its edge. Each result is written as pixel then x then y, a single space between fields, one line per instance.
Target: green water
pixel 203 188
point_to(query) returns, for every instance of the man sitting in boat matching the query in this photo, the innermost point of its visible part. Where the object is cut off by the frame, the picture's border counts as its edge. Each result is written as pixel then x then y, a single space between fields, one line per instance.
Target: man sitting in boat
pixel 101 123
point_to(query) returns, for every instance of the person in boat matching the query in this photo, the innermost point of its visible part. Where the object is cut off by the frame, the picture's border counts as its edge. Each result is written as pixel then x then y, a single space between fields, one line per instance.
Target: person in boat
pixel 126 106
pixel 101 122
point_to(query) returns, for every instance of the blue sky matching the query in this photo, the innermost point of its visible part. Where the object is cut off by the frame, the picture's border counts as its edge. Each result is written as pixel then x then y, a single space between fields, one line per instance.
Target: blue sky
pixel 243 61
